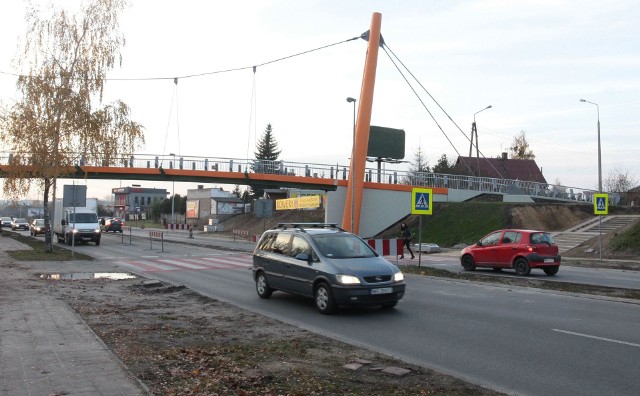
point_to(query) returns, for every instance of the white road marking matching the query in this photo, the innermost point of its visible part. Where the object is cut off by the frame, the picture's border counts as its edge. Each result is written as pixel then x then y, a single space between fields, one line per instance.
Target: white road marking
pixel 597 338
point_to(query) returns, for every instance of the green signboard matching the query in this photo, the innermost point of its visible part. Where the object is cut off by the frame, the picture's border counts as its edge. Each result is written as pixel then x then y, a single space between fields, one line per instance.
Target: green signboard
pixel 385 143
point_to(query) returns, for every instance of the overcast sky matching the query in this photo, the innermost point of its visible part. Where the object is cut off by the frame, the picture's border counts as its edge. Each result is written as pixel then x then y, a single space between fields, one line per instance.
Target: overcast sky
pixel 531 60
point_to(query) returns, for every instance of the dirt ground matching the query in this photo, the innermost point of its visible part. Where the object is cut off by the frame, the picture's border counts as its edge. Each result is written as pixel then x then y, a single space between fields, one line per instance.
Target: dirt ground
pixel 548 217
pixel 177 342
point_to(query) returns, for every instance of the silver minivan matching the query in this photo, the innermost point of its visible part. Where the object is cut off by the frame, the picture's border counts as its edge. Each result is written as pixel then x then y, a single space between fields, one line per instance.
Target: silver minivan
pixel 323 261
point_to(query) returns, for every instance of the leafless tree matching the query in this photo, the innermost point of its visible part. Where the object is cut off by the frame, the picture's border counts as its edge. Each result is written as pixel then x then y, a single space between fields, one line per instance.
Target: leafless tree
pixel 60 121
pixel 619 181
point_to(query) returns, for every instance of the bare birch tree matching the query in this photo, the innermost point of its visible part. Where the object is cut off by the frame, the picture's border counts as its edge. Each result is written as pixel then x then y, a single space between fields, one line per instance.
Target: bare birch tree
pixel 59 120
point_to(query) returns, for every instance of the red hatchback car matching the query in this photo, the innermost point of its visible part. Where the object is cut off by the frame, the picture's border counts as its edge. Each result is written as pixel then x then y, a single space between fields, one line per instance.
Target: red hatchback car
pixel 521 250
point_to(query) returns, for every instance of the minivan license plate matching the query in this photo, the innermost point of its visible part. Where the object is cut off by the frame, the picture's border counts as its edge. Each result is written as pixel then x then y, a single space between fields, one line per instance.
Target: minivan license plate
pixel 382 290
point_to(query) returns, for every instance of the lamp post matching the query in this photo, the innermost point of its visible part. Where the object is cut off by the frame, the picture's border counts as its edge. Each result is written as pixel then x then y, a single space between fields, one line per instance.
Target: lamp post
pixel 599 171
pixel 353 150
pixel 173 193
pixel 599 150
pixel 474 130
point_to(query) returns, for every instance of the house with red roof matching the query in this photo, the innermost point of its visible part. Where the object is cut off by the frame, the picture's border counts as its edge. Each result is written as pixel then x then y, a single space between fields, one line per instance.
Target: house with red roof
pixel 500 168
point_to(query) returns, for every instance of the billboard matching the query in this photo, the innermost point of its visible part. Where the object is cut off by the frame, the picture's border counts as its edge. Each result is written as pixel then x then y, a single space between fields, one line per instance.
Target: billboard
pixel 193 209
pixel 385 143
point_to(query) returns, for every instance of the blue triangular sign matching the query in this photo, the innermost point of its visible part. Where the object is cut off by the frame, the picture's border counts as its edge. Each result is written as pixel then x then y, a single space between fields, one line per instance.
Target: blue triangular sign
pixel 422 202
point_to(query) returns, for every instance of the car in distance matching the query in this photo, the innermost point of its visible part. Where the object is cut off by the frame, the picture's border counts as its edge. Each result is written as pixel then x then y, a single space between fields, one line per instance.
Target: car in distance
pixel 5 221
pixel 111 224
pixel 322 261
pixel 520 250
pixel 36 227
pixel 19 224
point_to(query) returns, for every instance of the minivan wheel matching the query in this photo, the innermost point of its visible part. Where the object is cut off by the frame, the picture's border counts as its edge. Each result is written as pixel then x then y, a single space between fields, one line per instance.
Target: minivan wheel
pixel 262 287
pixel 551 270
pixel 522 267
pixel 324 299
pixel 468 263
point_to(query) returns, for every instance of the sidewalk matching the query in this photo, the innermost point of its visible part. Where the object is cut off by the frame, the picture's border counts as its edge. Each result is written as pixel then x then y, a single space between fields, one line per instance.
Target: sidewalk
pixel 45 348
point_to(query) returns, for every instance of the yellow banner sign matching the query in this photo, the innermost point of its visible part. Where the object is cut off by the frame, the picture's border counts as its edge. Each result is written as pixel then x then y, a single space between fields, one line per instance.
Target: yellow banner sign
pixel 305 202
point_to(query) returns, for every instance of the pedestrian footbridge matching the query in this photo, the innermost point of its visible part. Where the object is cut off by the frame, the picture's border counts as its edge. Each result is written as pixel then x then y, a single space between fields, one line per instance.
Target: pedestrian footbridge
pixel 386 191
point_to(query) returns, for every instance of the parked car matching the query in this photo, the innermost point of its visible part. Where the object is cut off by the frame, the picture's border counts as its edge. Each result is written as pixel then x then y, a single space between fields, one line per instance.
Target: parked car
pixel 36 227
pixel 19 224
pixel 520 250
pixel 111 224
pixel 5 221
pixel 322 261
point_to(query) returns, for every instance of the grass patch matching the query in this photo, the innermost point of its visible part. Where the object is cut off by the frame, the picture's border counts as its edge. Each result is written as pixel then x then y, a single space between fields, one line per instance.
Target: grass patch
pixel 37 251
pixel 628 240
pixel 467 222
pixel 526 282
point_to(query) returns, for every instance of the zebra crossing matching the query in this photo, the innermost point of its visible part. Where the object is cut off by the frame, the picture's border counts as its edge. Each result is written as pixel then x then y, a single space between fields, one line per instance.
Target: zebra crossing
pixel 227 261
pixel 191 263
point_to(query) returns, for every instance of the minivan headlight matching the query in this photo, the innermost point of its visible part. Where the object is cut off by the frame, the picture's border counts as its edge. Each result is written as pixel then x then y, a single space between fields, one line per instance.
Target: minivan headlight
pixel 347 279
pixel 398 277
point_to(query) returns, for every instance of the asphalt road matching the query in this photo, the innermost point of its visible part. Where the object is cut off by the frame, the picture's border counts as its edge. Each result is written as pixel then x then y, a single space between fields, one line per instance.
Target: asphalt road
pixel 588 276
pixel 517 340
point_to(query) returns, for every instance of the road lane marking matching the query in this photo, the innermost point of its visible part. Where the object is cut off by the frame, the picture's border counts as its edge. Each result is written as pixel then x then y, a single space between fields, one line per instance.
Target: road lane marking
pixel 597 338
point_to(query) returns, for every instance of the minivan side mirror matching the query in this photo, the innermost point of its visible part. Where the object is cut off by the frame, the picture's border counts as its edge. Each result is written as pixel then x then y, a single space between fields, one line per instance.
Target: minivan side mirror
pixel 304 257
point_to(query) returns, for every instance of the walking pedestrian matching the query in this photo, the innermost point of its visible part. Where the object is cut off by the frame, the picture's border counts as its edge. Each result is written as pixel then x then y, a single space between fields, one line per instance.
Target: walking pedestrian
pixel 405 232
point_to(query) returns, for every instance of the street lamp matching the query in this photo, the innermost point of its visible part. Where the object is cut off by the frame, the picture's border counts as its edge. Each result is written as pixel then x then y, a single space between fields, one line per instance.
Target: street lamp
pixel 173 193
pixel 474 130
pixel 599 151
pixel 353 151
pixel 599 173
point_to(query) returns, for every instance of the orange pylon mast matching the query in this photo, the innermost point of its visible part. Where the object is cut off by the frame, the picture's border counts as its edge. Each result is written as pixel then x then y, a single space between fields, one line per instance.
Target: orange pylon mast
pixel 365 104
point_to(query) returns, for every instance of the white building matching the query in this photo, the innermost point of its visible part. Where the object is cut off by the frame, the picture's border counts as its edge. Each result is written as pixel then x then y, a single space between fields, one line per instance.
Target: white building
pixel 205 203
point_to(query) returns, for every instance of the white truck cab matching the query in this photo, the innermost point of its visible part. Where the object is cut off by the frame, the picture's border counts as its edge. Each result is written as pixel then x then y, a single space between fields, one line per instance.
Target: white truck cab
pixel 77 225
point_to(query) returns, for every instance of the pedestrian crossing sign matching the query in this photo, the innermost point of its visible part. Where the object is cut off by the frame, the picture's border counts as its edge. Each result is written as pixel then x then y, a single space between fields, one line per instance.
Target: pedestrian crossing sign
pixel 601 204
pixel 421 201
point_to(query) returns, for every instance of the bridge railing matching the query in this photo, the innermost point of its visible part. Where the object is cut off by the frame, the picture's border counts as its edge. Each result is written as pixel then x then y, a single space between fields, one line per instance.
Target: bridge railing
pixel 482 184
pixel 341 172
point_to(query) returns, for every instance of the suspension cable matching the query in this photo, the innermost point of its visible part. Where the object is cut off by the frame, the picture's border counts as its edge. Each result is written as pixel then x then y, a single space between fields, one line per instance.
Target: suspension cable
pixel 216 71
pixel 252 117
pixel 425 107
pixel 166 135
pixel 444 111
pixel 175 80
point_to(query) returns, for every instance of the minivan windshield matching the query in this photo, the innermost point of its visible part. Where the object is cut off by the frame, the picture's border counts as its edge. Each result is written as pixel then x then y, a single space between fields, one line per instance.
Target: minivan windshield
pixel 342 246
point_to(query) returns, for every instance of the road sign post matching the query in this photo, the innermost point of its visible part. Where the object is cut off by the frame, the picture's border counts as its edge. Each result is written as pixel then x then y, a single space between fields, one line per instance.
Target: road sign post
pixel 600 208
pixel 421 204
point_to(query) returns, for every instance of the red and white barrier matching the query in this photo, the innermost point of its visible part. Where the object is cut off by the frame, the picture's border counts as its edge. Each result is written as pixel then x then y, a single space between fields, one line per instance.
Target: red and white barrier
pixel 386 247
pixel 172 226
